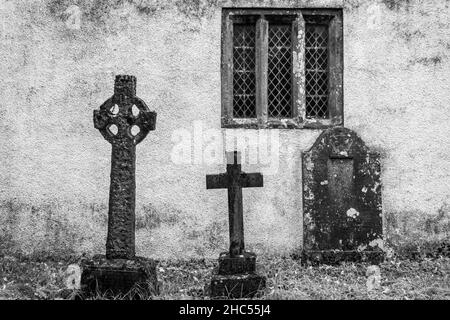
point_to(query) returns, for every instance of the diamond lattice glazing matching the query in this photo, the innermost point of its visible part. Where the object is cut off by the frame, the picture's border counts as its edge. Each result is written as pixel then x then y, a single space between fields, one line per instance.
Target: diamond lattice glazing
pixel 316 71
pixel 244 88
pixel 279 90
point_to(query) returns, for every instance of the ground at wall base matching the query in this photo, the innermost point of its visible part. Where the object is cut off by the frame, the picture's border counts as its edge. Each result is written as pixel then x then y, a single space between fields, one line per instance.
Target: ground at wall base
pixel 36 278
pixel 335 257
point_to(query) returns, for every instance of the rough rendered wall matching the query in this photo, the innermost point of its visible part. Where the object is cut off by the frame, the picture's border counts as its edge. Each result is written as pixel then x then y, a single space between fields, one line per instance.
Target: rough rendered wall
pixel 58 61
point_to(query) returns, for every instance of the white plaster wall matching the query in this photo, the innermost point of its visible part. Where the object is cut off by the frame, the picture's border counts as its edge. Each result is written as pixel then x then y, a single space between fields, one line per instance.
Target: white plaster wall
pixel 55 165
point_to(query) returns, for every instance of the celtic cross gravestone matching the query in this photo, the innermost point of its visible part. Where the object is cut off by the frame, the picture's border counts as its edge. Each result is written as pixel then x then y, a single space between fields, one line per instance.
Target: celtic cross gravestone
pixel 124 120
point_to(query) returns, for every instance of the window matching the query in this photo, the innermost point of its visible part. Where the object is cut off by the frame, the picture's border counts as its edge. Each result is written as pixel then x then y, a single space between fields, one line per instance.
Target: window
pixel 281 68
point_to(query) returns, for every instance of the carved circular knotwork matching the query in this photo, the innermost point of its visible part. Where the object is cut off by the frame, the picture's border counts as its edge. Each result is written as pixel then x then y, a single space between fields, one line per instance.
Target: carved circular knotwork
pixel 131 116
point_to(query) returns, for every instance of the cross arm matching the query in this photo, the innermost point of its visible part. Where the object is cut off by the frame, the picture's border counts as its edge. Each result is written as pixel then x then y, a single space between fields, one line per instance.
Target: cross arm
pixel 216 181
pixel 103 118
pixel 249 180
pixel 146 120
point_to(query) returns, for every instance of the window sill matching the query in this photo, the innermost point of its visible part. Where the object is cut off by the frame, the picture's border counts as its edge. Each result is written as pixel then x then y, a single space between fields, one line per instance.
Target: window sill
pixel 253 123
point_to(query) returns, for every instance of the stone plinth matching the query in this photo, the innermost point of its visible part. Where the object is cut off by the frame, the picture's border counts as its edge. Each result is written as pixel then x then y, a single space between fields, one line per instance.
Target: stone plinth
pixel 135 278
pixel 236 286
pixel 244 263
pixel 237 277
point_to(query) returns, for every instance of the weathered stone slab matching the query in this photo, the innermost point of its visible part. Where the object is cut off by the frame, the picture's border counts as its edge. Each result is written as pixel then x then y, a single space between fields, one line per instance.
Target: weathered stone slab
pixel 134 279
pixel 341 200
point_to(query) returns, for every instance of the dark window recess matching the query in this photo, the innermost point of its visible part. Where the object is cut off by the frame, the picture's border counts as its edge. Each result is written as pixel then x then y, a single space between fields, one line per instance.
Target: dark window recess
pixel 279 95
pixel 244 82
pixel 316 77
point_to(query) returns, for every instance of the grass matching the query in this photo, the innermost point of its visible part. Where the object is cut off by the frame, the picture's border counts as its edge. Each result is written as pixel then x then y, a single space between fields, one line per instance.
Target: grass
pixel 32 278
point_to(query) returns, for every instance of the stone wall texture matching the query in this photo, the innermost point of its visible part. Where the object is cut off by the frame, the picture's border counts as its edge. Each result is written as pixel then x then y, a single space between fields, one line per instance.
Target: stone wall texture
pixel 58 59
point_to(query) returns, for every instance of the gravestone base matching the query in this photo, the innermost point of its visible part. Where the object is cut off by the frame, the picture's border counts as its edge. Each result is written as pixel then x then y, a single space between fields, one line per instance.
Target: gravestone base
pixel 335 257
pixel 236 286
pixel 135 279
pixel 245 263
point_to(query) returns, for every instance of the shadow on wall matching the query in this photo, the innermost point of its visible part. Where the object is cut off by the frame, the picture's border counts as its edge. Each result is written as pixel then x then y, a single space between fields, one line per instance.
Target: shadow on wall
pixel 149 217
pixel 51 229
pixel 62 230
pixel 30 229
pixel 414 234
pixel 201 239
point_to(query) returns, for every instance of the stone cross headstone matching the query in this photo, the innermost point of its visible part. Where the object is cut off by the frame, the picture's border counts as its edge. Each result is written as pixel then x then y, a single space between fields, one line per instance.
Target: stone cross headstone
pixel 342 217
pixel 234 180
pixel 237 268
pixel 118 111
pixel 124 120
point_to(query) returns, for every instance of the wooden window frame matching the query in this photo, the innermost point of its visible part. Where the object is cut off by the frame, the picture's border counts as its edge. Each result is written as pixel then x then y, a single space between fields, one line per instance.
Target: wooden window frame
pixel 333 17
